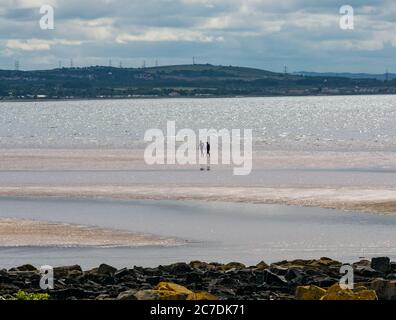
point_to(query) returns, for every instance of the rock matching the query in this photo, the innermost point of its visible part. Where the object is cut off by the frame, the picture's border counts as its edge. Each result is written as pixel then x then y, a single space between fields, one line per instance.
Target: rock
pixel 381 264
pixel 230 282
pixel 337 293
pixel 25 267
pixel 60 272
pixel 225 293
pixel 233 265
pixel 194 277
pixel 385 289
pixel 271 278
pixel 147 295
pixel 106 269
pixel 205 266
pixel 199 265
pixel 280 271
pixel 367 272
pixel 324 281
pixel 180 268
pixel 309 293
pixel 164 291
pixel 127 295
pixel 313 264
pixel 154 280
pixel 326 262
pixel 362 263
pixel 169 286
pixel 103 296
pixel 121 273
pixel 76 293
pixel 202 296
pixel 293 274
pixel 262 266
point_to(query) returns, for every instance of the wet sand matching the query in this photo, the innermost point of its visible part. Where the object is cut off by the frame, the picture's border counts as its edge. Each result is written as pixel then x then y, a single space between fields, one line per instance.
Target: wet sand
pixel 31 233
pixel 363 181
pixel 366 200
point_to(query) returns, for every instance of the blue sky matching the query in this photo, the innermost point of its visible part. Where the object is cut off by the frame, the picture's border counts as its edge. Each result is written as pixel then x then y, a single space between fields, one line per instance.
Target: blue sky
pixel 302 34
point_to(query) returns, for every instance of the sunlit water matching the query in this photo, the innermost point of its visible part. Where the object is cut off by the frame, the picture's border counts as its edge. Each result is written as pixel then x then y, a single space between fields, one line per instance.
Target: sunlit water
pixel 220 232
pixel 302 123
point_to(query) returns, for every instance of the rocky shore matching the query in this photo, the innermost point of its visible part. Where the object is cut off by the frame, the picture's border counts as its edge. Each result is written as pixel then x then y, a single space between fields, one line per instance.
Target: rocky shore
pixel 298 279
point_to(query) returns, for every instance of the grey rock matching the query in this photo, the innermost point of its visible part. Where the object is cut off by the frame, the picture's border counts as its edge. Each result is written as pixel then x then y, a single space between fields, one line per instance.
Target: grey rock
pixel 127 295
pixel 271 278
pixel 65 271
pixel 106 269
pixel 25 267
pixel 381 264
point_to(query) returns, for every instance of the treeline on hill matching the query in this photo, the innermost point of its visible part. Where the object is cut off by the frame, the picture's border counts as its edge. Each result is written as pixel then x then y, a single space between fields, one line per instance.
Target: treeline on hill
pixel 186 80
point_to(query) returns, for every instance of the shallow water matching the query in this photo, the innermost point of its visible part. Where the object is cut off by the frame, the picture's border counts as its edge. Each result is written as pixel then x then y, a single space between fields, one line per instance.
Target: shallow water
pixel 287 123
pixel 218 231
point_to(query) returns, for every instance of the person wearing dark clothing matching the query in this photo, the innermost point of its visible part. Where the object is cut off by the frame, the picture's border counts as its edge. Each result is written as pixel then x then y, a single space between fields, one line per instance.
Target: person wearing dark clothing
pixel 208 149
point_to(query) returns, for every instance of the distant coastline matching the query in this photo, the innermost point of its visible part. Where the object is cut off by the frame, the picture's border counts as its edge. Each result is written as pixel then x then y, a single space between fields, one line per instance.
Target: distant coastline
pixel 182 81
pixel 189 97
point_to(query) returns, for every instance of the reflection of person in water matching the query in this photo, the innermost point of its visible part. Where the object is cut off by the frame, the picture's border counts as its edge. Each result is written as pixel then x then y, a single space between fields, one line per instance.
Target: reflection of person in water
pixel 208 149
pixel 201 147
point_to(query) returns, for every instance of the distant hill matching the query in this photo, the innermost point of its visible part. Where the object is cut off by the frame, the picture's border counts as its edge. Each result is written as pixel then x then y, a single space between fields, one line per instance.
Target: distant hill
pixel 172 81
pixel 381 77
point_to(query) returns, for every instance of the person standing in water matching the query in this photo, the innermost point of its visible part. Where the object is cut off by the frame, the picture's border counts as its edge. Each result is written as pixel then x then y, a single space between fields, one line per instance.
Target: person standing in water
pixel 207 156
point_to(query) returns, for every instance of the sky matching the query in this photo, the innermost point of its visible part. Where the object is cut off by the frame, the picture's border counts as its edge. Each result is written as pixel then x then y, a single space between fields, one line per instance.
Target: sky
pixel 304 35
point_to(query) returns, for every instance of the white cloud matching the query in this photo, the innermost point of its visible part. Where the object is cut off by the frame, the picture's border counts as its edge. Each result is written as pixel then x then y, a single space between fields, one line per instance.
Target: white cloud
pixel 167 34
pixel 37 44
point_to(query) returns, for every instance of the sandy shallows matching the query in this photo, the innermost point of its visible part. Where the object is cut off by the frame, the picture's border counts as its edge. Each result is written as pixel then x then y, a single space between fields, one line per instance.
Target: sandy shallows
pixel 17 233
pixel 356 199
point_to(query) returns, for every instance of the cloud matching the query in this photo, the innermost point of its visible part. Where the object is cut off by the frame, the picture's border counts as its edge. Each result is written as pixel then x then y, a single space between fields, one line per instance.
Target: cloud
pixel 37 44
pixel 304 34
pixel 167 34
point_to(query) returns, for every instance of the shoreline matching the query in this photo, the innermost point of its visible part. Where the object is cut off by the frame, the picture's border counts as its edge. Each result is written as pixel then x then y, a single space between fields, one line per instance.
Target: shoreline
pixel 197 97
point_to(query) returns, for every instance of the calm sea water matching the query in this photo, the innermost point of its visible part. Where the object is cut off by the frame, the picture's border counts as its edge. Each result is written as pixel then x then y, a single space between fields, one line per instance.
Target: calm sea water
pixel 218 231
pixel 302 123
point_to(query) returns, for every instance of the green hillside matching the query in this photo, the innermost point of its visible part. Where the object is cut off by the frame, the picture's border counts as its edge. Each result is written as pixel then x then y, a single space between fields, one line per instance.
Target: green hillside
pixel 181 80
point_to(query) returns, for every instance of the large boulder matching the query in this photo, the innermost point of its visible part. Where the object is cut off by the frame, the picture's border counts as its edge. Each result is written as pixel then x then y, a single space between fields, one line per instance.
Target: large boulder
pixel 24 268
pixel 385 289
pixel 60 272
pixel 381 264
pixel 233 265
pixel 262 266
pixel 106 269
pixel 309 293
pixel 335 292
pixel 164 291
pixel 273 279
pixel 313 264
pixel 171 291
